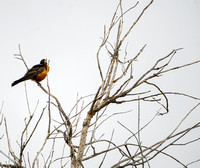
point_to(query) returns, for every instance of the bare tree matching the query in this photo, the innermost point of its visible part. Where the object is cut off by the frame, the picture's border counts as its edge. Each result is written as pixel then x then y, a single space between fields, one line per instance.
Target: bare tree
pixel 118 86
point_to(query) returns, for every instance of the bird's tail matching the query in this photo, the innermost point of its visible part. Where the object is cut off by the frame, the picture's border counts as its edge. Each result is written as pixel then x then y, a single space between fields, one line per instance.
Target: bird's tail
pixel 18 81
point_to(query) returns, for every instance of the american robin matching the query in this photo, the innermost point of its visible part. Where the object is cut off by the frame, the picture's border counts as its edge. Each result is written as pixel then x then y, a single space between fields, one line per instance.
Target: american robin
pixel 36 73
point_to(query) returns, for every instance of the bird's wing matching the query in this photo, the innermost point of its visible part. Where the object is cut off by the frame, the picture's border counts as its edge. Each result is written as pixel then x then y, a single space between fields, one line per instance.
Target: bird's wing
pixel 31 73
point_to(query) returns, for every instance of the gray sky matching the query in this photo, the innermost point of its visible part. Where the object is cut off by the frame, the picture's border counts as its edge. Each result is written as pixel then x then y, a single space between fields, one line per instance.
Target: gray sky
pixel 68 33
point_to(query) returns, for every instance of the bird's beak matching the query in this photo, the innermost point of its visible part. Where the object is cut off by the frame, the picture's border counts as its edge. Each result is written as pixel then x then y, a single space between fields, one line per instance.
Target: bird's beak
pixel 45 60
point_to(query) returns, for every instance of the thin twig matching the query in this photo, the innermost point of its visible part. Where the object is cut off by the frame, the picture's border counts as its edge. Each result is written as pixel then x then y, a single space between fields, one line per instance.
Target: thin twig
pixel 20 57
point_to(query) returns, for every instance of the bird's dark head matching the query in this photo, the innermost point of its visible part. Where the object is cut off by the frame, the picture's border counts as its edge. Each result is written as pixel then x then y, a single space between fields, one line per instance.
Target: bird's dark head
pixel 43 61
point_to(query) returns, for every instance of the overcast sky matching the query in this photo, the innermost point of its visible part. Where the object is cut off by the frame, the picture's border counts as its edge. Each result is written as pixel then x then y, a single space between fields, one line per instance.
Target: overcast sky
pixel 68 32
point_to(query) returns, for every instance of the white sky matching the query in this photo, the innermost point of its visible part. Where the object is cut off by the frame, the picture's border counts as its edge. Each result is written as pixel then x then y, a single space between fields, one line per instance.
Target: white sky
pixel 68 33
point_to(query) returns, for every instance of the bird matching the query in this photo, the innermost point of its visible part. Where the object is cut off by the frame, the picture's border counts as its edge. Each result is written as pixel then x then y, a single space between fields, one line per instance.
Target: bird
pixel 37 73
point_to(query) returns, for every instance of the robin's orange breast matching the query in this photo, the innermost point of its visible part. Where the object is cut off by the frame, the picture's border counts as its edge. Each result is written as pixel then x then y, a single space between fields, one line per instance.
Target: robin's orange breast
pixel 39 77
